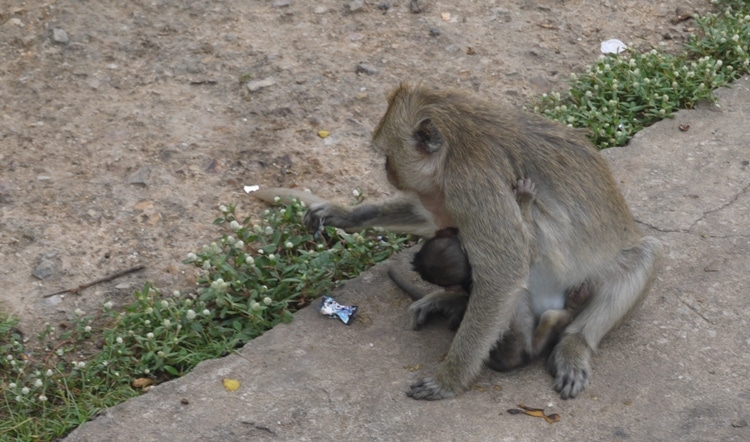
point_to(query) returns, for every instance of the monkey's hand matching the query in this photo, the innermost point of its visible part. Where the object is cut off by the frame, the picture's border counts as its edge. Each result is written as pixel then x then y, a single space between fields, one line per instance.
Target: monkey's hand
pixel 569 364
pixel 326 214
pixel 451 304
pixel 429 390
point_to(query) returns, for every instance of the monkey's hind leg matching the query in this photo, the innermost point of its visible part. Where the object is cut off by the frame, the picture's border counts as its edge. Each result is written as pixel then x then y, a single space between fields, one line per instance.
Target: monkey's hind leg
pixel 615 294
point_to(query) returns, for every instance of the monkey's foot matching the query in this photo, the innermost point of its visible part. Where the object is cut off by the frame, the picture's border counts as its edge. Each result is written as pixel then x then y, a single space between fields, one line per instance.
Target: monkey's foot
pixel 569 364
pixel 525 188
pixel 429 390
pixel 452 305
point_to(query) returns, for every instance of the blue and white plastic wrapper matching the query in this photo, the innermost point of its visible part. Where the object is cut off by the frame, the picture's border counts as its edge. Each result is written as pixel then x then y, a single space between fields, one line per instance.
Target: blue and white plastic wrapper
pixel 332 309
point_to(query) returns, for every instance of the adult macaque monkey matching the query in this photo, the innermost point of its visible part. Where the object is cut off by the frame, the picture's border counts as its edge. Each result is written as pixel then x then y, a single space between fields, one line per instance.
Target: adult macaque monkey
pixel 454 158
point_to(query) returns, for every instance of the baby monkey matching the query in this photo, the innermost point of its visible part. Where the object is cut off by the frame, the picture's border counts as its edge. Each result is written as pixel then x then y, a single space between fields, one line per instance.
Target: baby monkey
pixel 442 261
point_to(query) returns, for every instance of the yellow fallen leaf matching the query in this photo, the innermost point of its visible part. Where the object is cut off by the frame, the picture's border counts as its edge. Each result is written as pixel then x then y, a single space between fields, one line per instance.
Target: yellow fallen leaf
pixel 323 133
pixel 142 382
pixel 231 384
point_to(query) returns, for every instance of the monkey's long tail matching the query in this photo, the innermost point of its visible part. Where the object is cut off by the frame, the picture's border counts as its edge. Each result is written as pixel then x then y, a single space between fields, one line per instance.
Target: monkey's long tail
pixel 287 195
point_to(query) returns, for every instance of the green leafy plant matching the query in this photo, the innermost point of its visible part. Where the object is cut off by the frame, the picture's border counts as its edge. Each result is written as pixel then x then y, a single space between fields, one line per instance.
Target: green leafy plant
pixel 621 94
pixel 252 278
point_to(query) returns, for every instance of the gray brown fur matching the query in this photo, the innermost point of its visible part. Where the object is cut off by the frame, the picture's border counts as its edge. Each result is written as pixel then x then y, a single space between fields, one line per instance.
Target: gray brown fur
pixel 454 157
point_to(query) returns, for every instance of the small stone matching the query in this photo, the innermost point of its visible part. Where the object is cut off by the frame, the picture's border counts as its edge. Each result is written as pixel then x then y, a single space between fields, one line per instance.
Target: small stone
pixel 139 177
pixel 434 32
pixel 741 423
pixel 123 286
pixel 364 68
pixel 320 10
pixel 356 5
pixel 59 36
pixel 44 269
pixel 254 86
pixel 282 3
pixel 384 6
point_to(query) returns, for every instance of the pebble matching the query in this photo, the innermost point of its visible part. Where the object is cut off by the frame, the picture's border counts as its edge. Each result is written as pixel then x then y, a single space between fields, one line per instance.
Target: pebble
pixel 320 10
pixel 282 3
pixel 257 85
pixel 434 32
pixel 45 268
pixel 365 68
pixel 139 177
pixel 356 5
pixel 60 36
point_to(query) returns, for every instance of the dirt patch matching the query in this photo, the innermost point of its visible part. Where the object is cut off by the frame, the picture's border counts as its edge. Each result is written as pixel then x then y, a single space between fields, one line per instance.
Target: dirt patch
pixel 124 125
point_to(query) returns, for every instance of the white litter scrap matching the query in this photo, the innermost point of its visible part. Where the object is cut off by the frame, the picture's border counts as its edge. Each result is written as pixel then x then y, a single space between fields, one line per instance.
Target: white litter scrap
pixel 613 46
pixel 249 189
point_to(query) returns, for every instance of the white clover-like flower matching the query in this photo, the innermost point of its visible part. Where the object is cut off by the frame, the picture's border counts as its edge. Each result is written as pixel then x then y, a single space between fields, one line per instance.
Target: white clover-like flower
pixel 355 192
pixel 239 244
pixel 25 390
pixel 272 257
pixel 261 251
pixel 12 385
pixel 276 199
pixel 108 304
pixel 42 398
pixel 87 329
pixel 19 398
pixel 257 228
pixel 147 371
pixel 13 363
pixel 719 63
pixel 230 239
pixel 288 245
pixel 160 353
pixel 320 246
pixel 267 300
pixel 9 357
pixel 118 340
pixel 190 315
pixel 38 383
pixel 255 306
pixel 49 373
pixel 147 322
pixel 206 312
pixel 164 303
pixel 79 312
pixel 59 352
pixel 282 212
pixel 269 230
pixel 167 323
pixel 149 335
pixel 223 208
pixel 206 265
pixel 234 225
pixel 192 256
pixel 105 363
pixel 249 260
pixel 149 310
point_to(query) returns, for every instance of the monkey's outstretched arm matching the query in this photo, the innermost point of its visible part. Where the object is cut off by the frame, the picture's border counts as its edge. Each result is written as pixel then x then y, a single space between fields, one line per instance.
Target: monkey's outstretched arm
pixel 402 214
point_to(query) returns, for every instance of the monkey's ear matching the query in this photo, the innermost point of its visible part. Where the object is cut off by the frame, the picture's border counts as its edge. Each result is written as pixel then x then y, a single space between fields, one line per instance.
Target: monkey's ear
pixel 427 137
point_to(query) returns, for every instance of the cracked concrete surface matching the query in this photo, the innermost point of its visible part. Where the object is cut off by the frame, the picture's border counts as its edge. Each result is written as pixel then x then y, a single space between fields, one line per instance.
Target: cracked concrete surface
pixel 678 370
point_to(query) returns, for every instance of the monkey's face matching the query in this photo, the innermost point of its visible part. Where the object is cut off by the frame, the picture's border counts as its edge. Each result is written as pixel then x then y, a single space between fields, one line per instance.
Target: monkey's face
pixel 411 142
